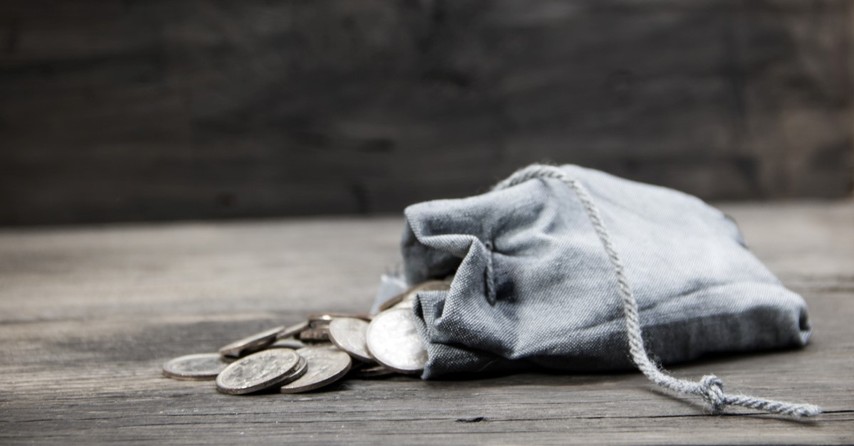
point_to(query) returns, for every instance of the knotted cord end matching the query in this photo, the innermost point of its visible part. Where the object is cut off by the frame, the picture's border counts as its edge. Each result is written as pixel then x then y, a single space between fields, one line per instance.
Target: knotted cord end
pixel 711 388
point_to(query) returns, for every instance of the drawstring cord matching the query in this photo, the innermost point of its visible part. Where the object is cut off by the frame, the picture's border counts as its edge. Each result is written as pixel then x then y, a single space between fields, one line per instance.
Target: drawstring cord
pixel 710 387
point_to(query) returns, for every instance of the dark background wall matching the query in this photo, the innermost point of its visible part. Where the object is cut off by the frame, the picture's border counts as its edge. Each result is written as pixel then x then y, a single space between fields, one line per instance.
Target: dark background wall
pixel 152 110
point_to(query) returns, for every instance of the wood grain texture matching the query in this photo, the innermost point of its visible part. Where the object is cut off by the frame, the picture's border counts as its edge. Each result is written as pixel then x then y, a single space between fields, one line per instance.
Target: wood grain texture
pixel 89 314
pixel 165 109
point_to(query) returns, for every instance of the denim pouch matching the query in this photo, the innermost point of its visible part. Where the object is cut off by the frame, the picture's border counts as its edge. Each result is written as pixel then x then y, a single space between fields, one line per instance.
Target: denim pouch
pixel 553 266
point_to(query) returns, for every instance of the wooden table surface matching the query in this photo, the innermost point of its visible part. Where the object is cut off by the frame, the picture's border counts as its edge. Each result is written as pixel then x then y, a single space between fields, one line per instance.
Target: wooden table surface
pixel 89 314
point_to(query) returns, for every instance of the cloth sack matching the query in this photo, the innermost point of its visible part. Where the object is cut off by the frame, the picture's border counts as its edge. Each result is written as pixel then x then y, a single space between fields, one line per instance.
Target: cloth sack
pixel 547 266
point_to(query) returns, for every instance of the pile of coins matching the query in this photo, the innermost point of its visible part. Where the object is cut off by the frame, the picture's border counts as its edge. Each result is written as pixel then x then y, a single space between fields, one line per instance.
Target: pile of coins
pixel 316 353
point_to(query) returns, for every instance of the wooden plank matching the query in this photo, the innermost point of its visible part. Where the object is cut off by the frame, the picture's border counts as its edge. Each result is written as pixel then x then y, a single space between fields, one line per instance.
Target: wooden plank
pixel 164 110
pixel 88 314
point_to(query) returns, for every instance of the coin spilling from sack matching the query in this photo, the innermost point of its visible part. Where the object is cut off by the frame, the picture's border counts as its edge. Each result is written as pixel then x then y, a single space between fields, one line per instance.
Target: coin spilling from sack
pixel 316 353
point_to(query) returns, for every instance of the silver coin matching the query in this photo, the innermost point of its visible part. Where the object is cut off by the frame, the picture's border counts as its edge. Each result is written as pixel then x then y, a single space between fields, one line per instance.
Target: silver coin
pixel 315 334
pixel 406 299
pixel 292 344
pixel 292 330
pixel 258 371
pixel 251 344
pixel 394 342
pixel 349 335
pixel 198 367
pixel 325 366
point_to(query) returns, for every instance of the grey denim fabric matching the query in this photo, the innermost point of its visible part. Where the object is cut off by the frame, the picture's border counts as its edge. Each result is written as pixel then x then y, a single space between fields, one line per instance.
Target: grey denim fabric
pixel 556 305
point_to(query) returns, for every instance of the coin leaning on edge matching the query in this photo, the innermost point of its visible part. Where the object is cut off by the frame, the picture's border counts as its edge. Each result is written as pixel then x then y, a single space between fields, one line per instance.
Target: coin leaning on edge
pixel 349 334
pixel 394 342
pixel 251 344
